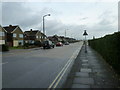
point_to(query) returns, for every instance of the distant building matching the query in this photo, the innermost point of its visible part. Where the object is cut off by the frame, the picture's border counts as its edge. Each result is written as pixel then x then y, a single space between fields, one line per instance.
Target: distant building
pixel 62 39
pixel 55 38
pixel 2 35
pixel 14 35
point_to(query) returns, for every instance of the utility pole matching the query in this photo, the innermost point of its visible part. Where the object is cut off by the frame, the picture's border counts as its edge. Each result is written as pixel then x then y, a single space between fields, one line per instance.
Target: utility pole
pixel 65 33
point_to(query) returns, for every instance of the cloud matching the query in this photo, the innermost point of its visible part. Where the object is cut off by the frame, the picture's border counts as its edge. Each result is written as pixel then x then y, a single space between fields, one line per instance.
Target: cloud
pixel 27 18
pixel 57 27
pixel 84 18
pixel 17 13
pixel 107 23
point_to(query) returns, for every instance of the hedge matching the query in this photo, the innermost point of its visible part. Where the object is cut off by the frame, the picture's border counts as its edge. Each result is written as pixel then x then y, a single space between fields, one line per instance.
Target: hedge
pixel 5 47
pixel 109 48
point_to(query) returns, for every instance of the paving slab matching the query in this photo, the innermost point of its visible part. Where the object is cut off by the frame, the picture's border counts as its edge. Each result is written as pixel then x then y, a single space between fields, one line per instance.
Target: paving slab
pixel 81 74
pixel 85 66
pixel 84 61
pixel 86 81
pixel 85 70
pixel 80 86
pixel 101 75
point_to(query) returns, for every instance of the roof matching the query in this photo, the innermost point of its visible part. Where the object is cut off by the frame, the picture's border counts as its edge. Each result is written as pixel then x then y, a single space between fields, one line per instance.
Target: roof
pixel 31 33
pixel 10 28
pixel 43 34
pixel 3 28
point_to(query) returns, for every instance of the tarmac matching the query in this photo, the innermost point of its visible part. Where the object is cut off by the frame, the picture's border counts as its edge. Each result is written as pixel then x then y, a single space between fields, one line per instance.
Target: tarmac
pixel 90 70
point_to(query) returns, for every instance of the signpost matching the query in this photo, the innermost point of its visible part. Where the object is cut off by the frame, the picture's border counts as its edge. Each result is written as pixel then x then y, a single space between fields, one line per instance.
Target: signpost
pixel 85 42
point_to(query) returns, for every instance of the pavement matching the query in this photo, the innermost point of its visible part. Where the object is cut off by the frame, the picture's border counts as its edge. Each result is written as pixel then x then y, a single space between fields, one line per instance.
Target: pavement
pixel 91 71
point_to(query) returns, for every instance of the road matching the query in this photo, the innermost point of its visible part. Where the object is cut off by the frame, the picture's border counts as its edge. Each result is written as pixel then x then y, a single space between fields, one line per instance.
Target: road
pixel 35 68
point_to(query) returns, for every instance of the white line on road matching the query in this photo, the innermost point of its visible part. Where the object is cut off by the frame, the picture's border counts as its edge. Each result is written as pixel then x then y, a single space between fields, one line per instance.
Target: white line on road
pixel 3 63
pixel 62 72
pixel 58 75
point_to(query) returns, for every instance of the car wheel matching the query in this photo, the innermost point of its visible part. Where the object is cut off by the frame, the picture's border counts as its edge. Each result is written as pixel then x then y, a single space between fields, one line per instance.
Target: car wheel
pixel 43 47
pixel 53 46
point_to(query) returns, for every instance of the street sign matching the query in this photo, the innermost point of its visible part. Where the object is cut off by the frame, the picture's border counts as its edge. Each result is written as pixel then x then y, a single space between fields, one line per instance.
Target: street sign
pixel 85 33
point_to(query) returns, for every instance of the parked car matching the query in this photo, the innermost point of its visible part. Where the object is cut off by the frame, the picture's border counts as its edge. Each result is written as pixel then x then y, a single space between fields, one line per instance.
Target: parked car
pixel 66 43
pixel 59 44
pixel 48 44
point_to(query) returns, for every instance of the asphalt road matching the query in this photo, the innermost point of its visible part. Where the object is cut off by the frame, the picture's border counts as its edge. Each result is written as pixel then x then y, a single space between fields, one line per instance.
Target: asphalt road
pixel 35 68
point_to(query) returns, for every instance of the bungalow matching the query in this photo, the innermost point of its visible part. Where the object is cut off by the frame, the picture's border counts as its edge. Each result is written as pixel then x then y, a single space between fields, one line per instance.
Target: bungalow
pixel 33 36
pixel 2 35
pixel 14 35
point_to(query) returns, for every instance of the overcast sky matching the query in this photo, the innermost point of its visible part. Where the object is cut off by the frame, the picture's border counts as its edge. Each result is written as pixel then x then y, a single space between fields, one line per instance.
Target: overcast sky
pixel 98 18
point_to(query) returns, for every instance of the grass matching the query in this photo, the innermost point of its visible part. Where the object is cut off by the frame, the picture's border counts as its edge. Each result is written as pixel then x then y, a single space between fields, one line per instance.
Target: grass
pixel 16 47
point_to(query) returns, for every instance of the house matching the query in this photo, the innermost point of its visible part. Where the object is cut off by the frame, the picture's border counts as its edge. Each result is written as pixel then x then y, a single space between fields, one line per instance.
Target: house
pixel 14 35
pixel 55 39
pixel 62 39
pixel 2 35
pixel 33 36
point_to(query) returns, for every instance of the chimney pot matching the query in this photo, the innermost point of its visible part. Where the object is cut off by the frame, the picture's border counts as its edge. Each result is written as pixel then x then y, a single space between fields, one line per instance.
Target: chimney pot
pixel 10 25
pixel 30 29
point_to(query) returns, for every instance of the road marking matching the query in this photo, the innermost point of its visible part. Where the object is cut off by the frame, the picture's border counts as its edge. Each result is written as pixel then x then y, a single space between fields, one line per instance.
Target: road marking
pixel 58 75
pixel 64 69
pixel 62 74
pixel 3 63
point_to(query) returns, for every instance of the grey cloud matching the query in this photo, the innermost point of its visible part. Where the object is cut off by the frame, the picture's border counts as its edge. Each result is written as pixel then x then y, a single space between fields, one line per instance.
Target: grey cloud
pixel 107 18
pixel 56 27
pixel 16 13
pixel 13 12
pixel 101 29
pixel 84 18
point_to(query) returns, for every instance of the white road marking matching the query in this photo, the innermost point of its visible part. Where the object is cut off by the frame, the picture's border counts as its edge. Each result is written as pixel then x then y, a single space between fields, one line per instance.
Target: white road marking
pixel 3 63
pixel 62 72
pixel 58 75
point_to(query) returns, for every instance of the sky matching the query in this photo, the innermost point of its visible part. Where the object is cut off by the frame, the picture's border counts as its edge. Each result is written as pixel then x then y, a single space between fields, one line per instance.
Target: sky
pixel 99 18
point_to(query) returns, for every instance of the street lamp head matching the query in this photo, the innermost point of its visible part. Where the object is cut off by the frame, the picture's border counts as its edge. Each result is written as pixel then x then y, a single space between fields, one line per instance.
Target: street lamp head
pixel 48 14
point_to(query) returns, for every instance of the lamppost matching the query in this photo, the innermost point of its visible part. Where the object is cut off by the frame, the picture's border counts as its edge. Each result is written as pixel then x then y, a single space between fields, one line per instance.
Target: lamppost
pixel 66 32
pixel 85 42
pixel 44 24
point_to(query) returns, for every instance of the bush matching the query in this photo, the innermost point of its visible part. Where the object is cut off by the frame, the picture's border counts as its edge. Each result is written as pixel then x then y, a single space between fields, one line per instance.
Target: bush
pixel 109 48
pixel 37 43
pixel 5 47
pixel 26 45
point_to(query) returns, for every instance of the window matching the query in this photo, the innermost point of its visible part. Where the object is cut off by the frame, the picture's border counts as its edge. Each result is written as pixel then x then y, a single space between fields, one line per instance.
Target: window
pixel 2 34
pixel 36 36
pixel 20 42
pixel 2 41
pixel 21 35
pixel 14 35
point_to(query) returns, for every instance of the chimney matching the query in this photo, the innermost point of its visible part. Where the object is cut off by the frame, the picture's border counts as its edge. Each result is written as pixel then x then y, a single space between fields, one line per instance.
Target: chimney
pixel 10 25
